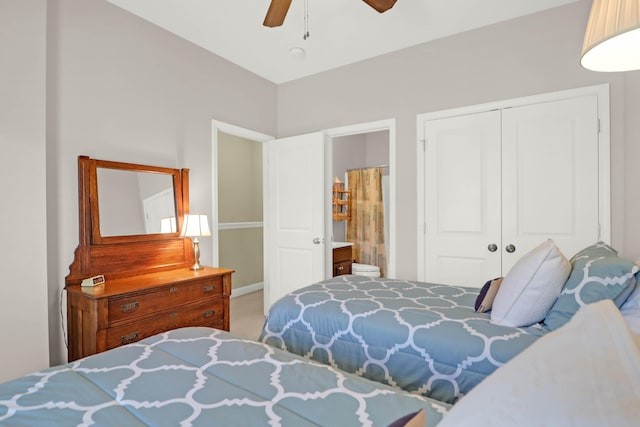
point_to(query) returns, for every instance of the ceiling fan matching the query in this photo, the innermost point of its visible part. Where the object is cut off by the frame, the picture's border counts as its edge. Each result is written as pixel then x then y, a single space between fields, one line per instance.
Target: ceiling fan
pixel 278 10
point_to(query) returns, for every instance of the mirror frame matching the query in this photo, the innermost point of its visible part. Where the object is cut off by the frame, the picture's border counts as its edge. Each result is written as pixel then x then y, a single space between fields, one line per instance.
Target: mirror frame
pixel 96 234
pixel 121 256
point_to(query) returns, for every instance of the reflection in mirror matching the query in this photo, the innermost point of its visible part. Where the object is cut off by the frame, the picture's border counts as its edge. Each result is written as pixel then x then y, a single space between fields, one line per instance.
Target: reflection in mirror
pixel 133 203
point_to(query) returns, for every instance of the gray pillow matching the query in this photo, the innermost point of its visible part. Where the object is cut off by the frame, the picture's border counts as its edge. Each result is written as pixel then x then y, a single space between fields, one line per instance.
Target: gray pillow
pixel 597 273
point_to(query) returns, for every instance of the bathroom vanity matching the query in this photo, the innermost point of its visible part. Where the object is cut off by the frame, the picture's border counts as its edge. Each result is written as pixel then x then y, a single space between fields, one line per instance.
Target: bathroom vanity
pixel 342 258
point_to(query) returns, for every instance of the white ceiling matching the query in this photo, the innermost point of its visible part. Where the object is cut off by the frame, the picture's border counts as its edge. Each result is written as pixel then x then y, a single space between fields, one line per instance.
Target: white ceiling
pixel 340 31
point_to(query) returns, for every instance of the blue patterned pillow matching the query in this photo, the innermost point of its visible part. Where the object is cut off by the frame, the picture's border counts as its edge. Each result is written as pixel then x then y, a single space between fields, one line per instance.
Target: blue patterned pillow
pixel 597 273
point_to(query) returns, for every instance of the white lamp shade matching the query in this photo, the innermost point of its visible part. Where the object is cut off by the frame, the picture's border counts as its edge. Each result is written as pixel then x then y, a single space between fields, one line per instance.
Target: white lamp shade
pixel 195 225
pixel 612 38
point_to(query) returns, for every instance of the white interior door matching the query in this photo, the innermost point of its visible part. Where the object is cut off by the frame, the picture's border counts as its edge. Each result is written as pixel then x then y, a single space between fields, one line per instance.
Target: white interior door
pixel 295 214
pixel 462 199
pixel 550 157
pixel 550 176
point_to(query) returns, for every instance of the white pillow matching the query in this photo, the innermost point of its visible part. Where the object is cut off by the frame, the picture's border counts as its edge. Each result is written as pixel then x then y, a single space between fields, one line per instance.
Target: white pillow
pixel 586 373
pixel 531 287
pixel 631 310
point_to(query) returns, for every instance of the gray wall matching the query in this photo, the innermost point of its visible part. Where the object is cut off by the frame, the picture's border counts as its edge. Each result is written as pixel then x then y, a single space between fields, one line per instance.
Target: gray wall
pixel 530 55
pixel 239 179
pixel 349 152
pixel 240 200
pixel 23 256
pixel 120 88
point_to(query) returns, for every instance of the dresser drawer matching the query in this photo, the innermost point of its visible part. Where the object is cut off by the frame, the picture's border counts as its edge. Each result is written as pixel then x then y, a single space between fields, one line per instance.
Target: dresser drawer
pixel 136 305
pixel 209 313
pixel 341 268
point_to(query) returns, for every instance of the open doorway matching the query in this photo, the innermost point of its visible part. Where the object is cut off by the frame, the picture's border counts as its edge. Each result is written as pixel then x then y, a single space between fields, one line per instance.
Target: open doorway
pixel 361 147
pixel 237 218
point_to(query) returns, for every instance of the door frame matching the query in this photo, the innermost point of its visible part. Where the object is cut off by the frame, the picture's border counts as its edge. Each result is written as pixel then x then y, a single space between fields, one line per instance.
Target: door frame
pixel 217 126
pixel 368 127
pixel 604 153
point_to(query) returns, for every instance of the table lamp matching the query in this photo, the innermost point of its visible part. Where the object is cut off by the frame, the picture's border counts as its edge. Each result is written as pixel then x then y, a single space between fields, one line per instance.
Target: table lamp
pixel 194 226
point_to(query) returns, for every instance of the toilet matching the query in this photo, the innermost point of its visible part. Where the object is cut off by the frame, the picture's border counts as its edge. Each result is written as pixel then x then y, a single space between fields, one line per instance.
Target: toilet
pixel 365 270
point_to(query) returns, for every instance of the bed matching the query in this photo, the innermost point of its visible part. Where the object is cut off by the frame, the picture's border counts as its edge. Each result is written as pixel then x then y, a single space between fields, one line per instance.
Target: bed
pixel 202 376
pixel 428 339
pixel 421 337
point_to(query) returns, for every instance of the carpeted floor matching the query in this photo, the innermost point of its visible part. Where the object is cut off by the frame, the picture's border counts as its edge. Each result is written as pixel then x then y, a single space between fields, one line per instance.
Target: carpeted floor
pixel 247 315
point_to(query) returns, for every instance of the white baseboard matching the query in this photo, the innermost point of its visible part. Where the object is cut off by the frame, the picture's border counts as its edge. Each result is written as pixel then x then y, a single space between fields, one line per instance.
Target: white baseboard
pixel 243 290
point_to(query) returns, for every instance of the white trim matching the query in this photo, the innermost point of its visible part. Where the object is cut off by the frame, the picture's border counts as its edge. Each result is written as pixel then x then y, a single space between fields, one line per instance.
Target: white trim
pixel 244 290
pixel 420 199
pixel 599 90
pixel 239 225
pixel 266 218
pixel 604 165
pixel 604 146
pixel 328 210
pixel 361 128
pixel 389 125
pixel 241 132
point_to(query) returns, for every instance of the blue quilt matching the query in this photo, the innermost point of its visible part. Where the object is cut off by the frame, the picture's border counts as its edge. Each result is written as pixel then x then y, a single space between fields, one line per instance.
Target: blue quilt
pixel 202 377
pixel 421 337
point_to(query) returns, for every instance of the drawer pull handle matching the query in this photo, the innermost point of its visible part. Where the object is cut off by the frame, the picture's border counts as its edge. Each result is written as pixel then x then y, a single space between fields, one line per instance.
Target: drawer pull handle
pixel 208 288
pixel 126 339
pixel 209 313
pixel 126 308
pixel 173 289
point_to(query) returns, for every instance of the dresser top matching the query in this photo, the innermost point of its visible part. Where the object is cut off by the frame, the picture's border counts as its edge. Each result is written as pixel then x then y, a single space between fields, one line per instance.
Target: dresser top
pixel 145 281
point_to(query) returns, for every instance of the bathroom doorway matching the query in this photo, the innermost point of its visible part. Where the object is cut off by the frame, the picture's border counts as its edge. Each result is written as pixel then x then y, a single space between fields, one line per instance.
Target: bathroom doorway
pixel 369 145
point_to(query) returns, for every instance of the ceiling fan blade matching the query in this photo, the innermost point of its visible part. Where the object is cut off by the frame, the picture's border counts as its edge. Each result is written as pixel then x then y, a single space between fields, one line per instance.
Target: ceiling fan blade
pixel 381 5
pixel 276 13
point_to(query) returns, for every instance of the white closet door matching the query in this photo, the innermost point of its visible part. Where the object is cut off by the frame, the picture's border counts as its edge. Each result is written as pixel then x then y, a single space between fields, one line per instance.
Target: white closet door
pixel 462 199
pixel 295 254
pixel 550 176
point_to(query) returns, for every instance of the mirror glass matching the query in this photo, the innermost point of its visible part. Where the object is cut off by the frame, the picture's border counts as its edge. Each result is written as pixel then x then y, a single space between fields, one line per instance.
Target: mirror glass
pixel 134 203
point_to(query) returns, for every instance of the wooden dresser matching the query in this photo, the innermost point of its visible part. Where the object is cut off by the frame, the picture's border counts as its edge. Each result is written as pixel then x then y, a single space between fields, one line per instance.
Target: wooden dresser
pixel 149 284
pixel 129 309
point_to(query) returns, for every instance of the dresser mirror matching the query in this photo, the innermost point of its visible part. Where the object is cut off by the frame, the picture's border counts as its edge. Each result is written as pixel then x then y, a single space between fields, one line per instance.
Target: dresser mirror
pixel 129 219
pixel 135 202
pixel 132 202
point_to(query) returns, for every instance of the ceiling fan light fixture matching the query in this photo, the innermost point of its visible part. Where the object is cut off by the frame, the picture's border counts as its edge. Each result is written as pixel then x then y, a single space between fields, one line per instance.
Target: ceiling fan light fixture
pixel 612 38
pixel 297 53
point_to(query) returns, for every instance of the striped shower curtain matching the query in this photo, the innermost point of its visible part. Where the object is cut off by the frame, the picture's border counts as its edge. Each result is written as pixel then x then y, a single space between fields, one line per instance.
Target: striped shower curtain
pixel 365 228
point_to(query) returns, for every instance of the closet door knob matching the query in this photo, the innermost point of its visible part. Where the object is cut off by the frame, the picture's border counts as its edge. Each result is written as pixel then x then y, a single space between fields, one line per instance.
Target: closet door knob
pixel 492 247
pixel 316 241
pixel 510 248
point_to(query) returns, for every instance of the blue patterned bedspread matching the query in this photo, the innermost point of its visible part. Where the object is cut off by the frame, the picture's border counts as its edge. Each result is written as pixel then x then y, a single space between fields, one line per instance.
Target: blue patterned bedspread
pixel 421 337
pixel 202 377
